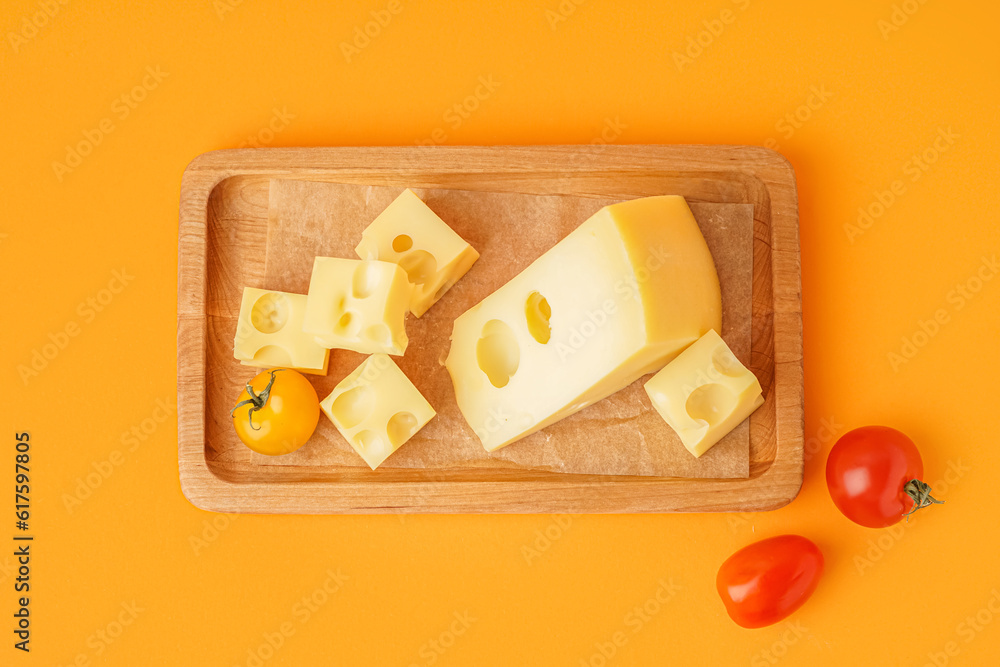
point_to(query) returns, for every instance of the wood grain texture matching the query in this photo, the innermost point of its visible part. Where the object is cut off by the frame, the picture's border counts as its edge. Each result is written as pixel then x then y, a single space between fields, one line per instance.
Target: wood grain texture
pixel 222 238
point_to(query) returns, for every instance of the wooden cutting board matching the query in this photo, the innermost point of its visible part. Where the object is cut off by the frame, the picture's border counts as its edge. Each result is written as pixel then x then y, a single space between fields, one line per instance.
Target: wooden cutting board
pixel 223 239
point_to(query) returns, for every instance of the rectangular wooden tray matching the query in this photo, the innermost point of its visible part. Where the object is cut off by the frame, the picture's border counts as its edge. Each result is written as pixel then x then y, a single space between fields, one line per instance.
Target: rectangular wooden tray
pixel 222 242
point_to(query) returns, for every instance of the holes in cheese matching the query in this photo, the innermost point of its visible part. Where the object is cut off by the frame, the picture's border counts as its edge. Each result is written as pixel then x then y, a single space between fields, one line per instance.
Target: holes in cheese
pixel 617 298
pixel 711 403
pixel 275 354
pixel 401 426
pixel 377 409
pixel 419 265
pixel 704 393
pixel 369 317
pixel 497 352
pixel 371 443
pixel 410 234
pixel 353 406
pixel 269 333
pixel 270 313
pixel 402 243
pixel 348 324
pixel 537 313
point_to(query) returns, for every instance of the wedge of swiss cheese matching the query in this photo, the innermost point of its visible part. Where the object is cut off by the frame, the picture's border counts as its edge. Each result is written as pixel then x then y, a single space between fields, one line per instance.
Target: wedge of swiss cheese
pixel 618 297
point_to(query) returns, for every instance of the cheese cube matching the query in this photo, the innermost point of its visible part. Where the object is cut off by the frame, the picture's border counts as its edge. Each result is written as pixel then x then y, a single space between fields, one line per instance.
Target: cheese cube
pixel 704 393
pixel 377 409
pixel 410 234
pixel 357 305
pixel 269 333
pixel 617 298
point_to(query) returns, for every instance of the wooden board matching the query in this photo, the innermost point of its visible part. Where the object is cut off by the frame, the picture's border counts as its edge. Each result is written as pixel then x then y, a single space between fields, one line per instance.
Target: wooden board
pixel 222 240
pixel 620 435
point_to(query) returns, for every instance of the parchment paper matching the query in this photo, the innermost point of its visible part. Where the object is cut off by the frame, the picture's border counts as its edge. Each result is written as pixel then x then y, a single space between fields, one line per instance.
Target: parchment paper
pixel 621 435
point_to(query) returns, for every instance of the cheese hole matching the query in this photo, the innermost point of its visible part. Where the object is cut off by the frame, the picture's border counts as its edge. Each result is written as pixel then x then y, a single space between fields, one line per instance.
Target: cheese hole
pixel 276 356
pixel 353 406
pixel 269 313
pixel 348 325
pixel 370 443
pixel 419 265
pixel 379 333
pixel 400 427
pixel 726 362
pixel 537 311
pixel 497 353
pixel 402 243
pixel 711 403
pixel 366 279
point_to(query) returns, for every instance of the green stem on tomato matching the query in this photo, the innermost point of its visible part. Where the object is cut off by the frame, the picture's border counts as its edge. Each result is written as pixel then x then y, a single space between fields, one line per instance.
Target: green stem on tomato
pixel 256 401
pixel 920 492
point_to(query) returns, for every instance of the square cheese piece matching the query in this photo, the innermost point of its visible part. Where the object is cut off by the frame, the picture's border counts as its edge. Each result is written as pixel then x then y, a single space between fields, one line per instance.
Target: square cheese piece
pixel 269 333
pixel 410 234
pixel 704 393
pixel 377 409
pixel 358 305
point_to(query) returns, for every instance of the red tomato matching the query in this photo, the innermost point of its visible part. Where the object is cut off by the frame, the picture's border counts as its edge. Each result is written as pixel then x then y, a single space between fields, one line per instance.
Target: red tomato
pixel 765 582
pixel 874 476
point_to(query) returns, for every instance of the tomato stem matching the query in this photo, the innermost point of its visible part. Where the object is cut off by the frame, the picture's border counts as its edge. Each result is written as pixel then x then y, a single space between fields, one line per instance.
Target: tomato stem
pixel 256 401
pixel 920 492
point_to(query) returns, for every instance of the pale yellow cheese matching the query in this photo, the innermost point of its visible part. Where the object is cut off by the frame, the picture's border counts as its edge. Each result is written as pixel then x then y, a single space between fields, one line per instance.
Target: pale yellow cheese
pixel 269 333
pixel 357 305
pixel 617 298
pixel 704 393
pixel 410 234
pixel 377 409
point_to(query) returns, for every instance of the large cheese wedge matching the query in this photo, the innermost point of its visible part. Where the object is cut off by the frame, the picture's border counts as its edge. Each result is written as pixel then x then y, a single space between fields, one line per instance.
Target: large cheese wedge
pixel 617 298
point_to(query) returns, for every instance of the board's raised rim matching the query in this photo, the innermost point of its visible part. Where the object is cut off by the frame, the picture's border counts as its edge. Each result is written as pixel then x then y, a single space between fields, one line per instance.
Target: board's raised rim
pixel 757 167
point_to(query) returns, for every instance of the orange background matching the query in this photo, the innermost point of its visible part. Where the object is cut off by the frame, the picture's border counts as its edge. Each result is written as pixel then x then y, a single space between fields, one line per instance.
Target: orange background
pixel 135 575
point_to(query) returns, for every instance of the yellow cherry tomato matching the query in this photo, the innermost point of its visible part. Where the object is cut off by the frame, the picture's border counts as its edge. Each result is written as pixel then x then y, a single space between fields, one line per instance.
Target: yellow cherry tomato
pixel 277 412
